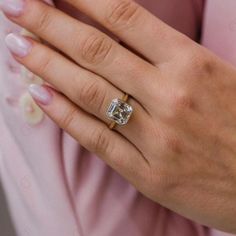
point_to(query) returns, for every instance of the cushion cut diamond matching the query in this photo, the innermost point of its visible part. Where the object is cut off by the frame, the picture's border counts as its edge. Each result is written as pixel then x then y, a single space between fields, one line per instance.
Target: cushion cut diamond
pixel 119 111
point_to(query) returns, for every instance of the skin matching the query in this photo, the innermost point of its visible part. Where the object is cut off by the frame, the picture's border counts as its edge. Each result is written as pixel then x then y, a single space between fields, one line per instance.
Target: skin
pixel 179 147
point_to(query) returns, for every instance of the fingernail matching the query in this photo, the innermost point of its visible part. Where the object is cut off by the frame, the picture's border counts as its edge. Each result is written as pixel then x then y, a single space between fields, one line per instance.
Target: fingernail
pixel 40 94
pixel 12 7
pixel 48 2
pixel 18 45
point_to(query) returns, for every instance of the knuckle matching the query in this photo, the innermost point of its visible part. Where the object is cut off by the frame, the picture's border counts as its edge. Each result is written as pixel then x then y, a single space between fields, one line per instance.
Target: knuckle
pixel 181 101
pixel 100 141
pixel 172 144
pixel 43 21
pixel 96 48
pixel 122 13
pixel 204 65
pixel 68 117
pixel 92 95
pixel 198 61
pixel 44 64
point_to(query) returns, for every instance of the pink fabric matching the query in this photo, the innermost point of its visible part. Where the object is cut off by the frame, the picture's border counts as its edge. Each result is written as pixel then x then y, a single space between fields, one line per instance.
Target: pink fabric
pixel 56 187
pixel 219 35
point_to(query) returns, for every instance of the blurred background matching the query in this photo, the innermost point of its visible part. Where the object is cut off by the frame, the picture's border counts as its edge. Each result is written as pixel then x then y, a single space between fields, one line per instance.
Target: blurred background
pixel 6 227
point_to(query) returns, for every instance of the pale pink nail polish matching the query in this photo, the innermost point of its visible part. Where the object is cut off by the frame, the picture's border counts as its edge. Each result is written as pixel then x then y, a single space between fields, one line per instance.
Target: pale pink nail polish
pixel 18 45
pixel 49 2
pixel 12 7
pixel 40 94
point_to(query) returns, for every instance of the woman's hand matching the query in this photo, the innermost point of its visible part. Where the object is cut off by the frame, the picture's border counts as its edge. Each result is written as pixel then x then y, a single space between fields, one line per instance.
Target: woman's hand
pixel 179 147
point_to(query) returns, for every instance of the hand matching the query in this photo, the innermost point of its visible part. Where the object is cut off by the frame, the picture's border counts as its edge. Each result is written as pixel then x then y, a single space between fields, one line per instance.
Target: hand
pixel 179 147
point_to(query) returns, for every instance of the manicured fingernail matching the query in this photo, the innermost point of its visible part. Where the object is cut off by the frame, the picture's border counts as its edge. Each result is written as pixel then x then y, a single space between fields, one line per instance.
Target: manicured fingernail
pixel 18 45
pixel 40 94
pixel 12 7
pixel 48 2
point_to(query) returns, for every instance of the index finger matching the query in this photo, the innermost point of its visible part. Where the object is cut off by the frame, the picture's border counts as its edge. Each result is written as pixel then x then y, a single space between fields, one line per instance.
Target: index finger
pixel 134 25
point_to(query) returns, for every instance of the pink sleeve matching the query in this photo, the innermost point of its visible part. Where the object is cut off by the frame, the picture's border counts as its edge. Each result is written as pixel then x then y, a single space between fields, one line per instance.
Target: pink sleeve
pixel 219 29
pixel 219 35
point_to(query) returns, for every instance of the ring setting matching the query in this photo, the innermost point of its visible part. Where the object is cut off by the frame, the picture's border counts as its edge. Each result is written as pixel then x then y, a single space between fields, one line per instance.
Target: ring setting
pixel 119 111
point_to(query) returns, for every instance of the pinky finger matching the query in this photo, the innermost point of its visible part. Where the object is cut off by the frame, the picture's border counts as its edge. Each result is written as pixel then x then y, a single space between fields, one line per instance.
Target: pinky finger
pixel 91 133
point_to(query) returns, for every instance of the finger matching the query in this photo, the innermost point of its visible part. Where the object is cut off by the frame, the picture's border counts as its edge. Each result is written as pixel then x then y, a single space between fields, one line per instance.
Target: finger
pixel 134 25
pixel 89 47
pixel 86 89
pixel 94 135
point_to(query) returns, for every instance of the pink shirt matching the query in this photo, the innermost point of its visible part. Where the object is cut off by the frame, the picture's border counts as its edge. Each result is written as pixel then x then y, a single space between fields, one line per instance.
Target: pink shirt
pixel 56 187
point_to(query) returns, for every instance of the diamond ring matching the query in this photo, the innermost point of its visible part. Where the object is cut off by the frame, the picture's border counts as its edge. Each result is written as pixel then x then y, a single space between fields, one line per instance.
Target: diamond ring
pixel 119 111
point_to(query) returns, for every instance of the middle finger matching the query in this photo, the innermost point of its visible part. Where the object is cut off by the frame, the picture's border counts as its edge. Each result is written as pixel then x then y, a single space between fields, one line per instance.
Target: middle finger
pixel 89 47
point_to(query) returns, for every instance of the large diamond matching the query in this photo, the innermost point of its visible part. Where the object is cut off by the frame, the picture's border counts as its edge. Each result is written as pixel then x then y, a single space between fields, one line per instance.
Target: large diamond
pixel 119 111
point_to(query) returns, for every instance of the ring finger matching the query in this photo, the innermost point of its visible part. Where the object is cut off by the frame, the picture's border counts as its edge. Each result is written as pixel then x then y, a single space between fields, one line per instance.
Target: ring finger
pixel 86 89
